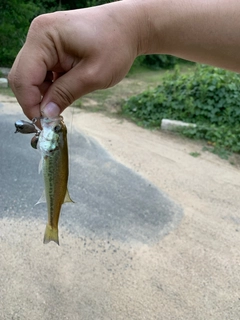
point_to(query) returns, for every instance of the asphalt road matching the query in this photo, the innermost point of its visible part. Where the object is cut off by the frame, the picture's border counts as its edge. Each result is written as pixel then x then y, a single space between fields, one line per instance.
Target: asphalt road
pixel 92 274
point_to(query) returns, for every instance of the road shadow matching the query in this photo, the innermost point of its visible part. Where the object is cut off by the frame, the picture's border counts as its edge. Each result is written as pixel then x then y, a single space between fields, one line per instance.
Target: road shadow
pixel 111 200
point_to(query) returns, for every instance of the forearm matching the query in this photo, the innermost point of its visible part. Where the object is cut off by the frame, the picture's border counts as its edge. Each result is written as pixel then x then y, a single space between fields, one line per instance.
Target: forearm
pixel 206 31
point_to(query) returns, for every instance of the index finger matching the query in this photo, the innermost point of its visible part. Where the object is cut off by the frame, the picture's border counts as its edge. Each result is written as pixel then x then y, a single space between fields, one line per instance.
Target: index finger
pixel 27 74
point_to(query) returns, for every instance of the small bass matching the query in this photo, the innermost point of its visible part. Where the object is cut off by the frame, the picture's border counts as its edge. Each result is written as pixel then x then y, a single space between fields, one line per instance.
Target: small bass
pixel 53 145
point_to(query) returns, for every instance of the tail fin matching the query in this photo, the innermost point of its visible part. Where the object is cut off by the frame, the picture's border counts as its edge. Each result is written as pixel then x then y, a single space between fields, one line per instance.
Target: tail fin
pixel 51 234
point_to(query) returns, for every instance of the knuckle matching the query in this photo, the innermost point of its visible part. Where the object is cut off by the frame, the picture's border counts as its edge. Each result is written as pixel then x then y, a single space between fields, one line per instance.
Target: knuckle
pixel 41 21
pixel 37 23
pixel 64 95
pixel 94 78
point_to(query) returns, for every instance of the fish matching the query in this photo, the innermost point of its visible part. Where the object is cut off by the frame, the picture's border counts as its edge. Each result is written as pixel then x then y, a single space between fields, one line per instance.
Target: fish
pixel 52 143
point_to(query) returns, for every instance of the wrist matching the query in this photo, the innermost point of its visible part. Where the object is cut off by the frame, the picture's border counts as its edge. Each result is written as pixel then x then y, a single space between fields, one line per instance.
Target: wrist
pixel 151 28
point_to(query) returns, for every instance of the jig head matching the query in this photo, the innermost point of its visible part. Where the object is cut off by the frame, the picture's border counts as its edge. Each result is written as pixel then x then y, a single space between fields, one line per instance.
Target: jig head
pixel 34 141
pixel 24 127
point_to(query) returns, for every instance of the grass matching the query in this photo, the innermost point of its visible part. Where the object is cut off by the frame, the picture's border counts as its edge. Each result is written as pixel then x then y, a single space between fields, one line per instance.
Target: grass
pixel 195 154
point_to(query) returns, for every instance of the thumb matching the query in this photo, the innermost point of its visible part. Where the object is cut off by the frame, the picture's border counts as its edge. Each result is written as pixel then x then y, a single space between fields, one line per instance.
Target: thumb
pixel 66 89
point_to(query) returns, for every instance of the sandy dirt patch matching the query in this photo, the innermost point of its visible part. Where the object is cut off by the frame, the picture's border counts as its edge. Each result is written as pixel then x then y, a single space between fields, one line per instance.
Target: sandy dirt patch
pixel 192 273
pixel 198 264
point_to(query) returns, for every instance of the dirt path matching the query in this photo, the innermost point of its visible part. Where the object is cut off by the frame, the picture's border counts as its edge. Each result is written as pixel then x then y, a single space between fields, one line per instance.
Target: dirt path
pixel 196 268
pixel 192 273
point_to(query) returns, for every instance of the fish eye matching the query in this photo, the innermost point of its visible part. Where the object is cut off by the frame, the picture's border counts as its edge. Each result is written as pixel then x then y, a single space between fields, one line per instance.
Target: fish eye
pixel 57 128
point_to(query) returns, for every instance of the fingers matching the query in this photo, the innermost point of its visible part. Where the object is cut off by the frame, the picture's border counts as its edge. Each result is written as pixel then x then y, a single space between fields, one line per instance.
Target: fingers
pixel 69 54
pixel 33 70
pixel 29 96
pixel 78 81
pixel 27 81
pixel 58 89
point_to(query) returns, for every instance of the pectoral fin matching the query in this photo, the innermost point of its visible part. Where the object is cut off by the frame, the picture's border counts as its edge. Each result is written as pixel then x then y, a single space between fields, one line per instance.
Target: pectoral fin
pixel 67 197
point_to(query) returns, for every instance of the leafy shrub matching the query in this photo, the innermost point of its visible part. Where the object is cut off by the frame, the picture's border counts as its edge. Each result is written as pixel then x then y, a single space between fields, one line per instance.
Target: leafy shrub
pixel 208 97
pixel 219 137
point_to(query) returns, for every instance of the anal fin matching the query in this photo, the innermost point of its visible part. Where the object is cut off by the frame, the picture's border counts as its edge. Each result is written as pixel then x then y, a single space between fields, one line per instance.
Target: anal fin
pixel 67 197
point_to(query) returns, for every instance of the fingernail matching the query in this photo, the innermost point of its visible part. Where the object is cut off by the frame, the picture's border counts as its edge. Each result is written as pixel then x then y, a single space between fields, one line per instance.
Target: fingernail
pixel 51 110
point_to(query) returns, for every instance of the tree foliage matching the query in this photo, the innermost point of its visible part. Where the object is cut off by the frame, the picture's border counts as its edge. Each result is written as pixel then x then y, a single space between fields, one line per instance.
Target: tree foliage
pixel 16 16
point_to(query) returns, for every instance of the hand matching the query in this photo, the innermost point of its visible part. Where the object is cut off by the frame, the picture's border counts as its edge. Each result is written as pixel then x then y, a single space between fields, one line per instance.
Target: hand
pixel 70 53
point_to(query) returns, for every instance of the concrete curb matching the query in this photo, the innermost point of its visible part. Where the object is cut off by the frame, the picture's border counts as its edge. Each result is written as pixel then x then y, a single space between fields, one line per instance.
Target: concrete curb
pixel 172 125
pixel 4 71
pixel 3 83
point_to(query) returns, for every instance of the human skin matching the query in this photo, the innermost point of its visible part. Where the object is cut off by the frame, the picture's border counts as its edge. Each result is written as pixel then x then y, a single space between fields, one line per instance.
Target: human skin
pixel 71 53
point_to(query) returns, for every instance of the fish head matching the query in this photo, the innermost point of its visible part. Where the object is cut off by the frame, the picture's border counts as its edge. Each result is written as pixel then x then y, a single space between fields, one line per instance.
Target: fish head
pixel 52 135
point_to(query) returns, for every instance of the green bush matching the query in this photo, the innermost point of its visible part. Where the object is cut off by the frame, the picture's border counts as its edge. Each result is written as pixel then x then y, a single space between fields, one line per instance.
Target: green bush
pixel 157 61
pixel 208 97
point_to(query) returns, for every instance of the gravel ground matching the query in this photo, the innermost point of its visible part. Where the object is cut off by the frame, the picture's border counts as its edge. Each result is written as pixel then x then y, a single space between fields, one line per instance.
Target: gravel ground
pixel 154 233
